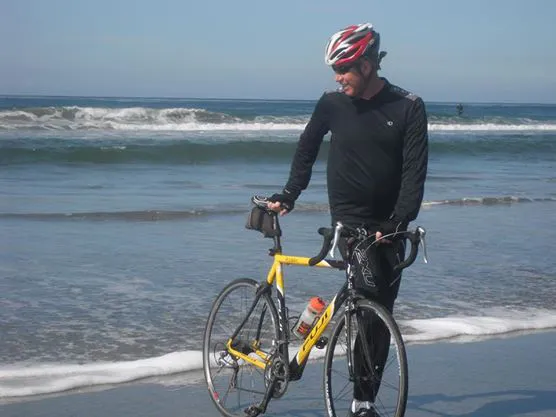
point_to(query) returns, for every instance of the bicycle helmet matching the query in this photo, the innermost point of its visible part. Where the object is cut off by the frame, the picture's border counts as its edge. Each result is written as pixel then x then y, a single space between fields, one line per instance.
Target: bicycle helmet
pixel 349 44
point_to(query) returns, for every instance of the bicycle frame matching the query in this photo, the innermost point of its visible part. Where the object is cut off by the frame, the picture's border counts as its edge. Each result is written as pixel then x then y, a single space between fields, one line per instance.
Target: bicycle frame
pixel 276 276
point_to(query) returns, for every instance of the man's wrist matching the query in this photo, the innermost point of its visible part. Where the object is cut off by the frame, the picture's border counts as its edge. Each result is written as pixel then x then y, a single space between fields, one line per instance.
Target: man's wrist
pixel 293 194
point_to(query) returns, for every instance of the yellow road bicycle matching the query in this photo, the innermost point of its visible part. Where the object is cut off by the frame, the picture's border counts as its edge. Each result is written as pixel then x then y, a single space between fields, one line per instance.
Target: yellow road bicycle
pixel 249 355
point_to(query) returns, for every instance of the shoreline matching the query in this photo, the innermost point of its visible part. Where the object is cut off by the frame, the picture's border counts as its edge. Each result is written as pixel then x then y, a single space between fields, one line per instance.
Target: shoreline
pixel 509 375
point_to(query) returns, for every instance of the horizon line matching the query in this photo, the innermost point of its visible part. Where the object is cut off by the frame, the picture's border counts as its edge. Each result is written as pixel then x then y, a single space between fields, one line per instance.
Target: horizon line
pixel 27 95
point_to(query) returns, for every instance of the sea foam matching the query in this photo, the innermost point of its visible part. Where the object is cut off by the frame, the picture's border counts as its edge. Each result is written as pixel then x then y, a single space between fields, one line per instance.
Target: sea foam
pixel 196 119
pixel 39 379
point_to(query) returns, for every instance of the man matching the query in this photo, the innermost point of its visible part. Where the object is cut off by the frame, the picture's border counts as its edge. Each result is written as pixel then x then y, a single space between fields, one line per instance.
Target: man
pixel 376 168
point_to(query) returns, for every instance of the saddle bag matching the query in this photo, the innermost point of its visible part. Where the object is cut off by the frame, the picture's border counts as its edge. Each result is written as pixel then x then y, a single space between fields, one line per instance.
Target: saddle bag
pixel 262 221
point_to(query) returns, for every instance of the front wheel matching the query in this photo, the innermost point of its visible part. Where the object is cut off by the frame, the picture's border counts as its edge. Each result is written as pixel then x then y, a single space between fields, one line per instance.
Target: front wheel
pixel 375 371
pixel 233 383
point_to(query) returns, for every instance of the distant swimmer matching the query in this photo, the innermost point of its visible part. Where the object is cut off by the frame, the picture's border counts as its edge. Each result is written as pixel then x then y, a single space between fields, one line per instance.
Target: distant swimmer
pixel 459 109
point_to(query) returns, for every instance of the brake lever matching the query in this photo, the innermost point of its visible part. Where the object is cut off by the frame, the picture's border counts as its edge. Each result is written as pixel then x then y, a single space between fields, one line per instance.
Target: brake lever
pixel 422 233
pixel 337 232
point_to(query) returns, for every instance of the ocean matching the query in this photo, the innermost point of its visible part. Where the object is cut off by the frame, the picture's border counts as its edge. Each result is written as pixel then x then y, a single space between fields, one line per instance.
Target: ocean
pixel 122 218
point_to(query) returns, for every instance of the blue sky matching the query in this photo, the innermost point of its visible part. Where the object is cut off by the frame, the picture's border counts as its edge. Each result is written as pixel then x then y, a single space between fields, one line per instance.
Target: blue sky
pixel 488 50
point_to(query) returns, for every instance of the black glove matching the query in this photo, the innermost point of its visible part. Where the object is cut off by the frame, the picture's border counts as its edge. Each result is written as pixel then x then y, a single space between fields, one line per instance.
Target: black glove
pixel 392 226
pixel 286 199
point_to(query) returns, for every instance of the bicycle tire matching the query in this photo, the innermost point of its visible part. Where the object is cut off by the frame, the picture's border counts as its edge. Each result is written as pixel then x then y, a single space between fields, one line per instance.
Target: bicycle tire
pixel 235 384
pixel 391 399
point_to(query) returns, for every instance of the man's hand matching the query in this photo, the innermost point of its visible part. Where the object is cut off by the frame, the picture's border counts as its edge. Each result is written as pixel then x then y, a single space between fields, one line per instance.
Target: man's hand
pixel 282 203
pixel 378 237
pixel 388 227
pixel 277 207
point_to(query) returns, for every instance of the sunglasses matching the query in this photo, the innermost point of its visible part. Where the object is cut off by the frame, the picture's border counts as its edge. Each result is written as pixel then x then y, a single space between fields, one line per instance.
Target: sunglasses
pixel 342 69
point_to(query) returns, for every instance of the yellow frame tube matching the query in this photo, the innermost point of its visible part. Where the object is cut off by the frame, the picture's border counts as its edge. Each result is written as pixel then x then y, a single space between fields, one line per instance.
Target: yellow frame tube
pixel 259 363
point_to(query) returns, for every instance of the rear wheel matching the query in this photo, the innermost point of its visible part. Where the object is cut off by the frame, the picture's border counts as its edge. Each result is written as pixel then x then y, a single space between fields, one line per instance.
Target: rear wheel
pixel 383 378
pixel 233 383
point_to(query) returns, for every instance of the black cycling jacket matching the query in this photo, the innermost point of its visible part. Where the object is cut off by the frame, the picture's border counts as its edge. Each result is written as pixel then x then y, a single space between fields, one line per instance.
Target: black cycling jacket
pixel 377 162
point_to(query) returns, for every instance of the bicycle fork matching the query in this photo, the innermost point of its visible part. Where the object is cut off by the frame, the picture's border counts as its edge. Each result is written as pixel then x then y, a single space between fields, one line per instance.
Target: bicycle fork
pixel 367 368
pixel 361 331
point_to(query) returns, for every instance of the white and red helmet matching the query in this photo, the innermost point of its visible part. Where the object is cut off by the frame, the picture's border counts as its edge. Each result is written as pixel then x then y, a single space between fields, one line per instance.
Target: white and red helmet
pixel 347 45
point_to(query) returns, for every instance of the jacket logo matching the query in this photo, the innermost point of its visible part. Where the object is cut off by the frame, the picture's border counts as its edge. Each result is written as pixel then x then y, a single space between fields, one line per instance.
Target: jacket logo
pixel 390 123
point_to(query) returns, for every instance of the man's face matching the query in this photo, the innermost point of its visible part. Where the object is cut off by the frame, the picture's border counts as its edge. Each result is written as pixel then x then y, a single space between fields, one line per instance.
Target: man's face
pixel 352 77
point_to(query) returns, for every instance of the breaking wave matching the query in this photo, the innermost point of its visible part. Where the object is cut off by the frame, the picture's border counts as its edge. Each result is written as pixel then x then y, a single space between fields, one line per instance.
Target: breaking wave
pixel 196 119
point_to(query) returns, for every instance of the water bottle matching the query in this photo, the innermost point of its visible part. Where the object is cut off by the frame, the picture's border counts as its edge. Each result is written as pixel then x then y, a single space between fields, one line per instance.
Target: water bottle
pixel 308 318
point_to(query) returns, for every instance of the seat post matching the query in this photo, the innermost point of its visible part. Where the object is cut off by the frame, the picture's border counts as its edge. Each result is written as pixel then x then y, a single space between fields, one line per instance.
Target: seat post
pixel 277 248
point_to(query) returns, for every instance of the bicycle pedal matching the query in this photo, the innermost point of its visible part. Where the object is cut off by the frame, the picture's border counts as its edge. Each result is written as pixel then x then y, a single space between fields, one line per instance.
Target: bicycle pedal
pixel 322 342
pixel 252 411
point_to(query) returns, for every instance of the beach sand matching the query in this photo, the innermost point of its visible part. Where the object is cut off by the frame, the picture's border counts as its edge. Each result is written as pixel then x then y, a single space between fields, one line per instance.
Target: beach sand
pixel 502 377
